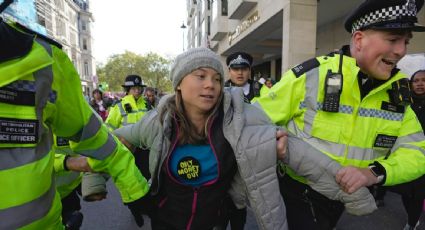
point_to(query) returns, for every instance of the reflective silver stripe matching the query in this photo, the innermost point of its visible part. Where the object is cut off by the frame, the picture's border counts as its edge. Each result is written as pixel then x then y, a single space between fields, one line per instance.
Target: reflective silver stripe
pixel 415 137
pixel 15 157
pixel 89 130
pixel 111 126
pixel 366 153
pixel 310 99
pixel 122 111
pixel 403 142
pixel 19 216
pixel 408 146
pixel 336 149
pixel 103 152
pixel 386 115
pixel 66 179
pixel 123 114
pixel 124 121
pixel 45 45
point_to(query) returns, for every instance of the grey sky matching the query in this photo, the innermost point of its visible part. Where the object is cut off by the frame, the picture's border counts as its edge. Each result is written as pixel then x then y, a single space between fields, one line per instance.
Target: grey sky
pixel 139 26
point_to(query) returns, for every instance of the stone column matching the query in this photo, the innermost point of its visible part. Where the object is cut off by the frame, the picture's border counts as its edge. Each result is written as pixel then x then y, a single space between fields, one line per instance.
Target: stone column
pixel 299 32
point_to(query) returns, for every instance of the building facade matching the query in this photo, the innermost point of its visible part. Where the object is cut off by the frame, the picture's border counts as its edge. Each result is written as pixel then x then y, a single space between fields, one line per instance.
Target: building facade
pixel 279 34
pixel 70 23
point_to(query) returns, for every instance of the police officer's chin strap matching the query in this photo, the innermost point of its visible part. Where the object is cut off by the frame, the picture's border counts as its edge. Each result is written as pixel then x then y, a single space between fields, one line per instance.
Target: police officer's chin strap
pixel 4 5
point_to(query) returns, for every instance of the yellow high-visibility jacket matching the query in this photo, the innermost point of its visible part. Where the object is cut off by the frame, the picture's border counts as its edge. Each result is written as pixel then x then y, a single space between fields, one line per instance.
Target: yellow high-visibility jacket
pixel 65 181
pixel 40 94
pixel 120 116
pixel 363 131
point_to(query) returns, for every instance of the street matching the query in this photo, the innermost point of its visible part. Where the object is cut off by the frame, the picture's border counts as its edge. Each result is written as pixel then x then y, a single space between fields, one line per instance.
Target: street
pixel 111 214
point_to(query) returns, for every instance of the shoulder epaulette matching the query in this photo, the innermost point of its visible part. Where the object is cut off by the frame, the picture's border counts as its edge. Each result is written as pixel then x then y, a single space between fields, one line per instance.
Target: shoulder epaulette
pixel 41 36
pixel 305 67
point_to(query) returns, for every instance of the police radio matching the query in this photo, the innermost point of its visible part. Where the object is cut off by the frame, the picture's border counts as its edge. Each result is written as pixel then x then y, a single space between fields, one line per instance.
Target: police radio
pixel 400 92
pixel 333 89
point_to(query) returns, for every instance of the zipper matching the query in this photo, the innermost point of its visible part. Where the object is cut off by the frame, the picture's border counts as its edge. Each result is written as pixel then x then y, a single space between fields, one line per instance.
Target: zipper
pixel 194 203
pixel 313 213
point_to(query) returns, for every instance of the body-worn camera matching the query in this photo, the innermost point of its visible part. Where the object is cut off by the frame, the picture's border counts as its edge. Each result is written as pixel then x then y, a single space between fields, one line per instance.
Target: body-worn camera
pixel 128 108
pixel 400 92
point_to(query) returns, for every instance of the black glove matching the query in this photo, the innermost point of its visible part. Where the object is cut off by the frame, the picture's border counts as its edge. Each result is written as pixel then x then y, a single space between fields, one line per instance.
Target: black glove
pixel 142 206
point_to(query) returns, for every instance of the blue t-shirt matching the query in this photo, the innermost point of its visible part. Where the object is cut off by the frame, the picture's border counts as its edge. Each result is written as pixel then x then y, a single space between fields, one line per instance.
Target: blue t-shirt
pixel 193 165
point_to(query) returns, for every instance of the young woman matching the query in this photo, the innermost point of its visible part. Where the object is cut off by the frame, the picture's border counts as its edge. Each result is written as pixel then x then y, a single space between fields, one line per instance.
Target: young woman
pixel 205 143
pixel 99 104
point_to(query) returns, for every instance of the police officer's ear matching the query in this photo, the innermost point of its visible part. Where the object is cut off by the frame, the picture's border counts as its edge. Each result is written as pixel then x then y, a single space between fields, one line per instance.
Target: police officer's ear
pixel 357 39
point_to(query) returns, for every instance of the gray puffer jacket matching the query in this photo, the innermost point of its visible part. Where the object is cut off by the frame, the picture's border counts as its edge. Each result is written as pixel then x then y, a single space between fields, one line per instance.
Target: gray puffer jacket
pixel 253 139
pixel 320 171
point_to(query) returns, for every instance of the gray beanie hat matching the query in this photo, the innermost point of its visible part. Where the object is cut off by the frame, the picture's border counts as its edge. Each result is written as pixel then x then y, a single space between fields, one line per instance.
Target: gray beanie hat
pixel 193 59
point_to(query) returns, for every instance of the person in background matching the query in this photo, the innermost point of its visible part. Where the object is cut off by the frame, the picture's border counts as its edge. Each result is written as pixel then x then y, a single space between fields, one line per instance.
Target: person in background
pixel 99 104
pixel 239 64
pixel 208 143
pixel 151 98
pixel 132 107
pixel 352 105
pixel 414 197
pixel 418 86
pixel 43 95
pixel 268 83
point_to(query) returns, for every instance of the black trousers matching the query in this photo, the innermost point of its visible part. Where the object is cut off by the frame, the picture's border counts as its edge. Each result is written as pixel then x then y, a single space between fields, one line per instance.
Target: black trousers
pixel 412 195
pixel 70 204
pixel 236 217
pixel 307 209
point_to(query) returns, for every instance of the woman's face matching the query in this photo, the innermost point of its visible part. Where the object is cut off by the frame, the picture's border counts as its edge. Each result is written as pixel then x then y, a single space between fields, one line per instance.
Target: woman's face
pixel 418 83
pixel 136 91
pixel 200 90
pixel 97 96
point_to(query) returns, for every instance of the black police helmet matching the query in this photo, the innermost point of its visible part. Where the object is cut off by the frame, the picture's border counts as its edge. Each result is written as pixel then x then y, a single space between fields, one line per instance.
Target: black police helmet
pixel 239 60
pixel 133 80
pixel 386 15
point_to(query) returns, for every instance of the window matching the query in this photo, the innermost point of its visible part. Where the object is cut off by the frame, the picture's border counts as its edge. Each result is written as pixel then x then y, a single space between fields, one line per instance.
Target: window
pixel 60 27
pixel 209 25
pixel 86 68
pixel 214 10
pixel 83 25
pixel 223 7
pixel 84 44
pixel 59 4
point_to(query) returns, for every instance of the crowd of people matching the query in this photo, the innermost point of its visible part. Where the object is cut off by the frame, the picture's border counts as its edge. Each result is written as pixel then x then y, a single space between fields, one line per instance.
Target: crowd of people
pixel 333 131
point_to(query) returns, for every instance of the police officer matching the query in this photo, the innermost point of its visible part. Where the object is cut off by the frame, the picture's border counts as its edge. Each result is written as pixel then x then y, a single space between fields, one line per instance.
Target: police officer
pixel 239 64
pixel 352 105
pixel 128 111
pixel 40 93
pixel 68 185
pixel 132 107
pixel 151 98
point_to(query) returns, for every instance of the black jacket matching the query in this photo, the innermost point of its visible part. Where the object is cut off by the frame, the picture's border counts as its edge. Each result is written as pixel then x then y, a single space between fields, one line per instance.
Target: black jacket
pixel 186 207
pixel 254 89
pixel 419 107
